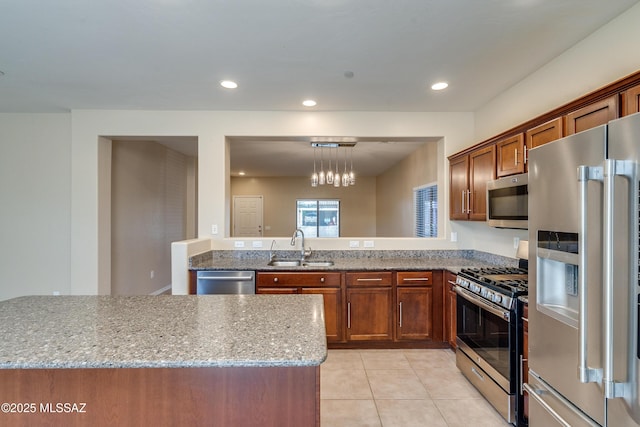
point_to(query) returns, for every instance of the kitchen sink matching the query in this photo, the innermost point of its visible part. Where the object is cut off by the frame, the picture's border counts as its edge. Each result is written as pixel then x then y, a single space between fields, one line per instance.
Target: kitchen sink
pixel 298 263
pixel 284 263
pixel 317 263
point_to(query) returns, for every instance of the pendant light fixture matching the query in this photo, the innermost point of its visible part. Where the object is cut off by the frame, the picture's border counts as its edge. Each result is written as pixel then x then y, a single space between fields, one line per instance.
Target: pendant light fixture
pixel 330 171
pixel 314 176
pixel 352 175
pixel 345 175
pixel 321 174
pixel 336 181
pixel 332 176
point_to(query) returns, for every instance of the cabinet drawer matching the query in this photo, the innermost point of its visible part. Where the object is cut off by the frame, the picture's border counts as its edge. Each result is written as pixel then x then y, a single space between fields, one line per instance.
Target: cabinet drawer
pixel 298 279
pixel 414 278
pixel 374 278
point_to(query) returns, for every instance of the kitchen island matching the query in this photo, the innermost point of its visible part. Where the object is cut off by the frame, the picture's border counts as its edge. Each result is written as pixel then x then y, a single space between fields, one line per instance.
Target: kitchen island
pixel 240 360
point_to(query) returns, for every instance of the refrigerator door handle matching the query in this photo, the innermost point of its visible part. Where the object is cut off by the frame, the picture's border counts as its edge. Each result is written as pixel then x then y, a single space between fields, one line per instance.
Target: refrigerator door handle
pixel 613 168
pixel 586 374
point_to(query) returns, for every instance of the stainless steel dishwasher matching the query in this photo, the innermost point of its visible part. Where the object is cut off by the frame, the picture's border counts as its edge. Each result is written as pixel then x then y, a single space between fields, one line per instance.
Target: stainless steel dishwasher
pixel 226 282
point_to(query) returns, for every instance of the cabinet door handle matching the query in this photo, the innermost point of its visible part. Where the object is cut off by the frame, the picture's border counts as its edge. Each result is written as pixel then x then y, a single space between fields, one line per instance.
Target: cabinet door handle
pixel 322 280
pixel 462 201
pixel 348 315
pixel 400 314
pixel 468 201
pixel 275 280
pixel 522 360
pixel 415 279
pixel 373 279
pixel 526 154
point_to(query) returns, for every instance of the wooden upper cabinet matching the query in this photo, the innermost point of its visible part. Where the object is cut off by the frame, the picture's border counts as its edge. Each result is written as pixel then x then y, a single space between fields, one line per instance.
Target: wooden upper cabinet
pixel 631 101
pixel 596 114
pixel 468 176
pixel 510 153
pixel 458 186
pixel 544 133
pixel 482 168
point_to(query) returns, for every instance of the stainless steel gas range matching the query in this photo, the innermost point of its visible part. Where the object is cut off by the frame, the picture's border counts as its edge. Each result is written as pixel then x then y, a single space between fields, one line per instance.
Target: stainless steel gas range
pixel 489 334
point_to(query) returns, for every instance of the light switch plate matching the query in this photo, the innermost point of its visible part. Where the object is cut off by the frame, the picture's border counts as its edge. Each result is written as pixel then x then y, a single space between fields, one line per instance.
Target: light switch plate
pixel 214 228
pixel 368 244
pixel 354 244
pixel 454 236
pixel 257 243
pixel 238 244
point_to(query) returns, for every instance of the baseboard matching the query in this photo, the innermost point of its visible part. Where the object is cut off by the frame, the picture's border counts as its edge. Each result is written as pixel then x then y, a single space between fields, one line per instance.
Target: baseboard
pixel 161 291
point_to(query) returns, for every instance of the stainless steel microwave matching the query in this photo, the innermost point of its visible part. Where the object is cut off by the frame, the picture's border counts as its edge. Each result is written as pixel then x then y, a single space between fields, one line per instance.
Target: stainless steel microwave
pixel 507 202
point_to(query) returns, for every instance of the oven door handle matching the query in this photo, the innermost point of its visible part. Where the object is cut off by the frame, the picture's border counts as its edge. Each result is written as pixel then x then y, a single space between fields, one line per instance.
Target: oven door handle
pixel 490 307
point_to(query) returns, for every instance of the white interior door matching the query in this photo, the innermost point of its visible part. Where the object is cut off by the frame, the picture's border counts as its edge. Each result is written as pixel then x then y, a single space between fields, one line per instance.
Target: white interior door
pixel 247 216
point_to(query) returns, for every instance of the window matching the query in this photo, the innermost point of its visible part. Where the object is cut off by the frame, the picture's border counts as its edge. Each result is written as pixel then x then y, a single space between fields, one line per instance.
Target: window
pixel 318 218
pixel 425 201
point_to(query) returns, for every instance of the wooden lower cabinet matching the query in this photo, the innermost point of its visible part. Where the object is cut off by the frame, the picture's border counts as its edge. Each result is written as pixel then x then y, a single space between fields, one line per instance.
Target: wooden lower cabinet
pixel 415 313
pixel 375 309
pixel 332 310
pixel 369 314
pixel 329 285
pixel 450 311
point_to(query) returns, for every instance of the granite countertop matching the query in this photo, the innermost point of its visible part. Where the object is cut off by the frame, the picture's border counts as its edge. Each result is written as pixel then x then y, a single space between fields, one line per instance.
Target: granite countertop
pixel 453 261
pixel 162 331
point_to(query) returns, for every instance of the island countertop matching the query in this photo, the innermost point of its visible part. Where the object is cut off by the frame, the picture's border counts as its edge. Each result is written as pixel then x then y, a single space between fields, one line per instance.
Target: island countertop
pixel 163 331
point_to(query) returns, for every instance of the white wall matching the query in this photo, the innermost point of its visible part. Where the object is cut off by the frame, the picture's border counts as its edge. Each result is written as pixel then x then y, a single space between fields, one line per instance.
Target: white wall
pixel 35 199
pixel 605 56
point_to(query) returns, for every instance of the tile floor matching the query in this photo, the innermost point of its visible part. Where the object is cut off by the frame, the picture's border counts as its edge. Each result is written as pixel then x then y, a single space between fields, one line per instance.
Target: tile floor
pixel 399 388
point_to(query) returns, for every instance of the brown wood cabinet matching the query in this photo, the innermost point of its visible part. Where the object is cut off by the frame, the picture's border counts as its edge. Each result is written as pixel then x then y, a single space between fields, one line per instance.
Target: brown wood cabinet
pixel 414 304
pixel 592 115
pixel 544 133
pixel 450 309
pixel 631 101
pixel 326 284
pixel 468 176
pixel 369 306
pixel 510 152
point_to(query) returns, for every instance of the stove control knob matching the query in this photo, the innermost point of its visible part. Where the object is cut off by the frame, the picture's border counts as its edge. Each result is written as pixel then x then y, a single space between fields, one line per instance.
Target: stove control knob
pixel 497 298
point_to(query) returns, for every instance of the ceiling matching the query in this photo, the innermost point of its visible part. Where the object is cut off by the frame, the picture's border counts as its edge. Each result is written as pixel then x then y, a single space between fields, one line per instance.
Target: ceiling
pixel 348 55
pixel 171 54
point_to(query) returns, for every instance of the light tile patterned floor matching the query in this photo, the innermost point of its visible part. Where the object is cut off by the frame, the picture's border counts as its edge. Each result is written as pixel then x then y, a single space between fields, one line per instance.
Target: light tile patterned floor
pixel 400 388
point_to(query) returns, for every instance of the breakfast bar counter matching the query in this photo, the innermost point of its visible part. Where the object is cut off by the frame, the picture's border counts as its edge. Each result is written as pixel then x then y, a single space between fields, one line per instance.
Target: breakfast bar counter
pixel 161 360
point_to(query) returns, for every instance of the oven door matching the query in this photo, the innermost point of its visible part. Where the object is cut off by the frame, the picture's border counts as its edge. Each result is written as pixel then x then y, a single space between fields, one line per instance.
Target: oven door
pixel 485 333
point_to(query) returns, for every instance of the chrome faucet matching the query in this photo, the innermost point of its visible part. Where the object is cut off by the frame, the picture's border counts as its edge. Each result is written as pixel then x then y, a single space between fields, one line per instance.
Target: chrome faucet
pixel 272 255
pixel 303 252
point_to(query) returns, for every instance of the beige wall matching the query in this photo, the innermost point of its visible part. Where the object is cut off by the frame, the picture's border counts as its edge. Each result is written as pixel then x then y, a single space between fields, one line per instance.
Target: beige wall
pixel 357 204
pixel 148 212
pixel 395 210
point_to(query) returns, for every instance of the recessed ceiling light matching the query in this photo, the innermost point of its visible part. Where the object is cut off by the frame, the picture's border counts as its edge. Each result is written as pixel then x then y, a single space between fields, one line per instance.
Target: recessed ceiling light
pixel 241 173
pixel 439 86
pixel 228 84
pixel 309 103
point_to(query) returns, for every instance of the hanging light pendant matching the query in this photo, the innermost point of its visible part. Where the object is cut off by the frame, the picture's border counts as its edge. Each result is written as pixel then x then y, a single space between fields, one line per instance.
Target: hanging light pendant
pixel 314 176
pixel 330 171
pixel 336 181
pixel 345 175
pixel 321 173
pixel 352 175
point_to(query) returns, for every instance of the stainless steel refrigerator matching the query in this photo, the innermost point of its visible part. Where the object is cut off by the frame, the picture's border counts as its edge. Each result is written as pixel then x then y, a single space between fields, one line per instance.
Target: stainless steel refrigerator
pixel 584 284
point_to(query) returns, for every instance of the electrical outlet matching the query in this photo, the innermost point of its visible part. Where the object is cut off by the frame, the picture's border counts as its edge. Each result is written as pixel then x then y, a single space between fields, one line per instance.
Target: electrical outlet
pixel 454 236
pixel 214 228
pixel 56 293
pixel 257 243
pixel 368 244
pixel 354 244
pixel 238 244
